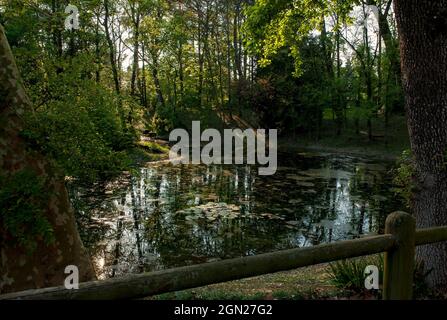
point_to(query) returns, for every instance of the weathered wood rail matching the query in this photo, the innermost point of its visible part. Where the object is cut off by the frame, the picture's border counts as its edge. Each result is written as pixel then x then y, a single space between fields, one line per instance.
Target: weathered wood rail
pixel 398 243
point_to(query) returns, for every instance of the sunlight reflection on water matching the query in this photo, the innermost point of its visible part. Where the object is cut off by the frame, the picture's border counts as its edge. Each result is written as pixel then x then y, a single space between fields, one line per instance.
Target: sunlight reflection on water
pixel 172 216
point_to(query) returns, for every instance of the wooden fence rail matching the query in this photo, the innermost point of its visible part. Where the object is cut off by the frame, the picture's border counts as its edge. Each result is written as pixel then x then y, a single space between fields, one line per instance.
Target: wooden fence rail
pixel 398 243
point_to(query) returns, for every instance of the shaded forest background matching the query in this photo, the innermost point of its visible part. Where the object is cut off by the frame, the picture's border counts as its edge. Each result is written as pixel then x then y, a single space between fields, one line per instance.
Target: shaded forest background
pixel 154 65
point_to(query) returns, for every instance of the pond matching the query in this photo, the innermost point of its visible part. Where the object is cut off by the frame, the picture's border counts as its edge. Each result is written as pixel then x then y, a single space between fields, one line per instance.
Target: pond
pixel 168 216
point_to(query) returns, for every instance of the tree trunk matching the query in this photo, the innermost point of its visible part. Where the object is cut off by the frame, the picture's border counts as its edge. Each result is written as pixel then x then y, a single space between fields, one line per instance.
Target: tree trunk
pixel 390 42
pixel 181 71
pixel 338 101
pixel 423 45
pixel 143 84
pixel 136 52
pixel 238 53
pixel 160 98
pixel 113 60
pixel 219 63
pixel 368 75
pixel 230 96
pixel 45 267
pixel 200 55
pixel 97 51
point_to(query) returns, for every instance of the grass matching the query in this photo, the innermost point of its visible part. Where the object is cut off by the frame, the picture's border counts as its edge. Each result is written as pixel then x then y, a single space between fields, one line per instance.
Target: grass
pixel 310 283
pixel 147 151
pixel 343 280
pixel 153 147
pixel 349 274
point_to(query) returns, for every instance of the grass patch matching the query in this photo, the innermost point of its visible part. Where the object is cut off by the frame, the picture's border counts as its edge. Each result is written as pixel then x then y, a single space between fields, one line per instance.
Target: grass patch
pixel 153 147
pixel 338 281
pixel 303 284
pixel 145 152
pixel 349 274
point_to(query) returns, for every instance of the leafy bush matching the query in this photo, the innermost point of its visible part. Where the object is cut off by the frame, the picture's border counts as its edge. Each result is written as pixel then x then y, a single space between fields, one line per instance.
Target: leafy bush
pixel 403 177
pixel 83 134
pixel 349 275
pixel 163 123
pixel 22 201
pixel 154 147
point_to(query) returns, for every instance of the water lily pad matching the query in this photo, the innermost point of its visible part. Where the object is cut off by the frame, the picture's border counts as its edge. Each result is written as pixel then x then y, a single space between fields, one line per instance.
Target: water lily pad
pixel 299 177
pixel 271 216
pixel 212 211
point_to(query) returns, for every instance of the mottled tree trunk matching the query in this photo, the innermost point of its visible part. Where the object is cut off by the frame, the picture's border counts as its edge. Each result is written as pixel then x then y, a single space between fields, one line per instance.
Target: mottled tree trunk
pixel 45 267
pixel 423 41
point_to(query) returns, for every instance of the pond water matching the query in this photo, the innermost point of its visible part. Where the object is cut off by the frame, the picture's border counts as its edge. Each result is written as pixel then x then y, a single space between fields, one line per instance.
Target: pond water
pixel 169 216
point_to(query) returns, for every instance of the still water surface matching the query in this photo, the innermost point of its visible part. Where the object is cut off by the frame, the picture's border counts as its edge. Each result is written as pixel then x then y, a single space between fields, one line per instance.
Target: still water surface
pixel 169 216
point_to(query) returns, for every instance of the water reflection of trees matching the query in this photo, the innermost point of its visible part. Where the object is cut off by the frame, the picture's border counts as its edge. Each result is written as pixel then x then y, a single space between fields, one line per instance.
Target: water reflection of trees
pixel 343 199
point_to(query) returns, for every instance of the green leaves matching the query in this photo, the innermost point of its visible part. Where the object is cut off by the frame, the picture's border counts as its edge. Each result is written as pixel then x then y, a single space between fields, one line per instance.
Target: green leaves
pixel 82 132
pixel 350 274
pixel 272 25
pixel 403 177
pixel 23 199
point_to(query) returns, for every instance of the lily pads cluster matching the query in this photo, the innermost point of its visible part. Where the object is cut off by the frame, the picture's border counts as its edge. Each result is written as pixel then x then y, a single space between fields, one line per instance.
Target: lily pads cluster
pixel 212 211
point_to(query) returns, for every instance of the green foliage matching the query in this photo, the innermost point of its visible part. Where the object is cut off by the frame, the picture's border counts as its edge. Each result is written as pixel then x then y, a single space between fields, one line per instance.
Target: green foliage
pixel 79 121
pixel 350 274
pixel 403 177
pixel 153 147
pixel 273 25
pixel 22 215
pixel 81 131
pixel 292 104
pixel 163 121
pixel 195 62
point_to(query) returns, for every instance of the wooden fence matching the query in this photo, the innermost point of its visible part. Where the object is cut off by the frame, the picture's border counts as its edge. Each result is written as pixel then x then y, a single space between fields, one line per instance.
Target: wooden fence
pixel 398 243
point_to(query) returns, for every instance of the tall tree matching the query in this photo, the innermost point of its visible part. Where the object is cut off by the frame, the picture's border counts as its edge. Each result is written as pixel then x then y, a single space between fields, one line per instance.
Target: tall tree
pixel 45 265
pixel 112 46
pixel 423 45
pixel 135 17
pixel 423 48
pixel 391 48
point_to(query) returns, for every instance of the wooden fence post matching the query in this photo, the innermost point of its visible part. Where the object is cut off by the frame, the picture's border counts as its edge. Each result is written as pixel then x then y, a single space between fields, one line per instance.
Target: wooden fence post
pixel 399 262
